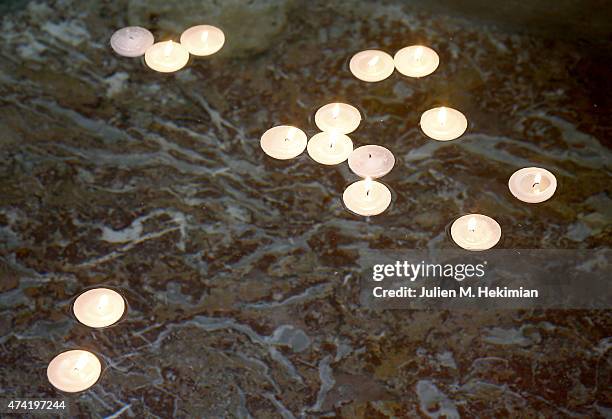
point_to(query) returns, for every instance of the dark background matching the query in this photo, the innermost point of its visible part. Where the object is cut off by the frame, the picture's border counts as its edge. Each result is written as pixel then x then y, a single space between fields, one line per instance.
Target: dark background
pixel 242 273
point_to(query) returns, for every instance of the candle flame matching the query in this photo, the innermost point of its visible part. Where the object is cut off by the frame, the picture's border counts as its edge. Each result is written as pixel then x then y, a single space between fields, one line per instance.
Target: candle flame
pixel 536 182
pixel 442 116
pixel 373 61
pixel 204 37
pixel 81 362
pixel 418 53
pixel 332 139
pixel 335 111
pixel 103 302
pixel 168 49
pixel 471 224
pixel 291 133
pixel 368 186
pixel 537 179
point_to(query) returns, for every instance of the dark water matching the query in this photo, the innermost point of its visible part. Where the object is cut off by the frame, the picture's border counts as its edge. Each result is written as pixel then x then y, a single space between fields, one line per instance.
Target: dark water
pixel 242 273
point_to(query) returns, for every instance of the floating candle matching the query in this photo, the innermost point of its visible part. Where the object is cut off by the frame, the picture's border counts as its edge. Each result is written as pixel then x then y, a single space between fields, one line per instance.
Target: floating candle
pixel 132 41
pixel 372 65
pixel 443 124
pixel 329 147
pixel 475 232
pixel 203 40
pixel 74 370
pixel 283 142
pixel 99 307
pixel 367 197
pixel 532 184
pixel 166 57
pixel 416 61
pixel 337 117
pixel 371 161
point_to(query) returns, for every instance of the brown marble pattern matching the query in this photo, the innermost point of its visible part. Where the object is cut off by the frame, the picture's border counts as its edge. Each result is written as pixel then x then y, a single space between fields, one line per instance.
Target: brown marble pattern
pixel 241 272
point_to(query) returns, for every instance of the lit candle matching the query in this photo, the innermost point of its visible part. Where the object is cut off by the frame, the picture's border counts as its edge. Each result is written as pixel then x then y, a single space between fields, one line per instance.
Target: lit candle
pixel 166 57
pixel 337 117
pixel 372 65
pixel 132 41
pixel 329 147
pixel 283 142
pixel 443 124
pixel 203 39
pixel 367 197
pixel 74 370
pixel 416 61
pixel 371 161
pixel 99 307
pixel 475 232
pixel 532 184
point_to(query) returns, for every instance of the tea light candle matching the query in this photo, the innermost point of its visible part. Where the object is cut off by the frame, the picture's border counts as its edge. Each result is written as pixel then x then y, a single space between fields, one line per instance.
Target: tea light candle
pixel 166 57
pixel 532 184
pixel 371 65
pixel 337 117
pixel 416 61
pixel 132 41
pixel 283 142
pixel 476 232
pixel 367 197
pixel 74 370
pixel 329 147
pixel 443 124
pixel 99 307
pixel 203 40
pixel 371 161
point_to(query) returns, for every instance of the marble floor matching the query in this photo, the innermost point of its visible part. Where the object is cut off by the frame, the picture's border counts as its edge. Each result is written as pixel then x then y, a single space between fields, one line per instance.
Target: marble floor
pixel 241 273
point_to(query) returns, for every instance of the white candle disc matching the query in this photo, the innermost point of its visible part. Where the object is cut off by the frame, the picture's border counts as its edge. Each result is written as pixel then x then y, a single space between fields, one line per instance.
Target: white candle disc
pixel 371 161
pixel 416 61
pixel 443 124
pixel 132 41
pixel 475 232
pixel 329 148
pixel 73 371
pixel 167 56
pixel 532 184
pixel 367 197
pixel 203 40
pixel 372 65
pixel 283 142
pixel 338 117
pixel 99 307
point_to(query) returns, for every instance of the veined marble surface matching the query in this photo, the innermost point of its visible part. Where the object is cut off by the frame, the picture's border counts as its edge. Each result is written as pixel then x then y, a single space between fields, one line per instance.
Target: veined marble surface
pixel 241 272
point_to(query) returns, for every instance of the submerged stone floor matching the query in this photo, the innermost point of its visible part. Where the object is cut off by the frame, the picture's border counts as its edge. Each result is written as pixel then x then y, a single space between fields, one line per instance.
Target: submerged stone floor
pixel 242 273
